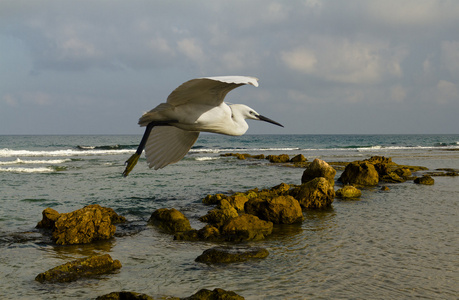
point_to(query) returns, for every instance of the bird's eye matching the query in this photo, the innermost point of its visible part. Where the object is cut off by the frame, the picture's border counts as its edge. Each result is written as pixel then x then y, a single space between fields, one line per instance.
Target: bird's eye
pixel 252 112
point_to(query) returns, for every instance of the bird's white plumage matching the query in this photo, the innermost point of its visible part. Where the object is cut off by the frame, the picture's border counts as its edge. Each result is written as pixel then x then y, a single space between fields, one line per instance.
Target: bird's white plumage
pixel 196 105
pixel 167 145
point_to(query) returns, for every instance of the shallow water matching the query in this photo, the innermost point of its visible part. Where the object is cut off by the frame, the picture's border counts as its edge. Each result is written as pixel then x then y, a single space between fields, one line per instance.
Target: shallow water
pixel 396 244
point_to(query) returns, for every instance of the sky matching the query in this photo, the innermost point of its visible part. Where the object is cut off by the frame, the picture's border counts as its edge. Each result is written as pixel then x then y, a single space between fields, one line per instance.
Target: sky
pixel 324 66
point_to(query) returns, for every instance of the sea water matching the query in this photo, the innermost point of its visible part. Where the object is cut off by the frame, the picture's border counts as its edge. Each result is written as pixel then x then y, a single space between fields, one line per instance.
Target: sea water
pixel 398 244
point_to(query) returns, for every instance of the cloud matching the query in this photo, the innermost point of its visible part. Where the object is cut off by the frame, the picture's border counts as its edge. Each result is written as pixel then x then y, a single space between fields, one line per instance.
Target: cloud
pixel 450 57
pixel 447 91
pixel 345 61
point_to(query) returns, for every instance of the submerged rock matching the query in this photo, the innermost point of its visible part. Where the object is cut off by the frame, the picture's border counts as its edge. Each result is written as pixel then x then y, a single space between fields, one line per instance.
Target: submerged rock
pixel 231 254
pixel 426 179
pixel 246 228
pixel 360 173
pixel 319 168
pixel 170 220
pixel 85 267
pixel 278 209
pixel 216 294
pixel 85 225
pixel 348 192
pixel 316 193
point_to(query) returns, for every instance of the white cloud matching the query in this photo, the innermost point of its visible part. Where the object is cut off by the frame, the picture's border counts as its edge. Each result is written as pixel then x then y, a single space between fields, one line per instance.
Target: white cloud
pixel 345 61
pixel 191 49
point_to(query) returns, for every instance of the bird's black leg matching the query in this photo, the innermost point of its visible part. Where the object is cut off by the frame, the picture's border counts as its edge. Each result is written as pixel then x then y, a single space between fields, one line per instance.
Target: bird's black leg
pixel 132 161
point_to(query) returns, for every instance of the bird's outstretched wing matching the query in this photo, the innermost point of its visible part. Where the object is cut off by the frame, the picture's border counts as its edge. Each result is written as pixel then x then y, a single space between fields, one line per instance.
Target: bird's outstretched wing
pixel 167 145
pixel 208 90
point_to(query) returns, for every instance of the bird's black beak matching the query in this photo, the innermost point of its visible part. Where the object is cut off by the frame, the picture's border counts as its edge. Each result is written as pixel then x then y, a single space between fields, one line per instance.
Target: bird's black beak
pixel 263 118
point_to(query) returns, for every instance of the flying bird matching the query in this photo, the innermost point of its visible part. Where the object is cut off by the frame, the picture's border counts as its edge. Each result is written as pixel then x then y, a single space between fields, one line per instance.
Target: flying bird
pixel 196 105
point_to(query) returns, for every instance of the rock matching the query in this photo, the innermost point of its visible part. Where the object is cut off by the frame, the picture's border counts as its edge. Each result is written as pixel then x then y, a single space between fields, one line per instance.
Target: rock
pixel 319 168
pixel 220 215
pixel 207 233
pixel 237 201
pixel 403 172
pixel 392 177
pixel 213 199
pixel 246 228
pixel 316 193
pixel 282 158
pixel 86 267
pixel 170 220
pixel 216 294
pixel 360 173
pixel 298 159
pixel 278 209
pixel 348 192
pixel 280 189
pixel 50 217
pixel 127 296
pixel 426 179
pixel 90 223
pixel 385 188
pixel 231 254
pixel 379 160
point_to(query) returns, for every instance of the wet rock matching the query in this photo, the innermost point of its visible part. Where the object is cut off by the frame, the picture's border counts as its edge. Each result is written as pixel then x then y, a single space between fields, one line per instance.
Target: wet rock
pixel 220 215
pixel 207 233
pixel 213 199
pixel 81 268
pixel 231 254
pixel 392 177
pixel 385 189
pixel 85 225
pixel 298 159
pixel 282 158
pixel 278 209
pixel 216 294
pixel 348 192
pixel 403 172
pixel 50 217
pixel 426 179
pixel 319 168
pixel 316 193
pixel 237 201
pixel 246 228
pixel 360 173
pixel 170 220
pixel 128 296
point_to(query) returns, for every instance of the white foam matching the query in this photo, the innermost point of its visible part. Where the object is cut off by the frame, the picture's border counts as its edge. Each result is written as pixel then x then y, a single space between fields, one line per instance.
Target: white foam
pixel 27 170
pixel 20 161
pixel 207 158
pixel 54 153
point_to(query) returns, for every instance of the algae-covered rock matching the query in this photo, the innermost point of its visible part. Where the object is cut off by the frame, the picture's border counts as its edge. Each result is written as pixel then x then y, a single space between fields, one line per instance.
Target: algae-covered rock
pixel 170 220
pixel 86 267
pixel 282 158
pixel 221 214
pixel 50 217
pixel 207 233
pixel 231 254
pixel 216 294
pixel 319 168
pixel 128 296
pixel 316 193
pixel 91 223
pixel 237 201
pixel 426 179
pixel 213 199
pixel 246 228
pixel 348 192
pixel 278 209
pixel 360 173
pixel 298 159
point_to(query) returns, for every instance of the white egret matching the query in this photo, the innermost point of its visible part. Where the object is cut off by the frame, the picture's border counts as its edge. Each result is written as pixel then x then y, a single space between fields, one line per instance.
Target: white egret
pixel 196 105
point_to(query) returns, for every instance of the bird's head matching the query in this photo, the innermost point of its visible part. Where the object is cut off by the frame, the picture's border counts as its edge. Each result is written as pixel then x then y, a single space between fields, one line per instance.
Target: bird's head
pixel 249 113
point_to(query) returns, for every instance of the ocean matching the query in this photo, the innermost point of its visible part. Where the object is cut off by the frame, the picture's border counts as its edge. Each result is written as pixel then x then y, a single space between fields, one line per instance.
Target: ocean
pixel 396 244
